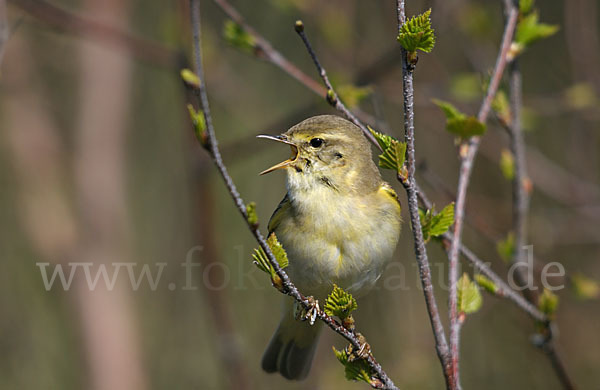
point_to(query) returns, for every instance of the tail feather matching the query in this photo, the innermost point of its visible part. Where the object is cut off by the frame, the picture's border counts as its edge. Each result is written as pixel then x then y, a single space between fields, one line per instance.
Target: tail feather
pixel 292 348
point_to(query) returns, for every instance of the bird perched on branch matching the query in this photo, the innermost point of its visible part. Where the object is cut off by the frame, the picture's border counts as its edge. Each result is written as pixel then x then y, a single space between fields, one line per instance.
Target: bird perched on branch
pixel 339 223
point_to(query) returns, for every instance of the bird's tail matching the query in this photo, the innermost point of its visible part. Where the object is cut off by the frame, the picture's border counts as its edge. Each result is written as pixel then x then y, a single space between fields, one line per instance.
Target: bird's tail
pixel 292 347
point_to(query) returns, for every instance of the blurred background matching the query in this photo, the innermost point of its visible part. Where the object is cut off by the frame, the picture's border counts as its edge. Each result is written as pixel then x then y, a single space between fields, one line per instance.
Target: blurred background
pixel 99 166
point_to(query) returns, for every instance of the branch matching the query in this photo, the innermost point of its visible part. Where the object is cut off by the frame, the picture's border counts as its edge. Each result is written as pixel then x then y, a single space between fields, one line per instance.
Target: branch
pixel 332 96
pixel 413 205
pixel 287 286
pixel 468 152
pixel 264 50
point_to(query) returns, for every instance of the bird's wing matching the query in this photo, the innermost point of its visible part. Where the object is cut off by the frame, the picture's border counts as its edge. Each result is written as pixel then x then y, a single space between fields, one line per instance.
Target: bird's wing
pixel 278 214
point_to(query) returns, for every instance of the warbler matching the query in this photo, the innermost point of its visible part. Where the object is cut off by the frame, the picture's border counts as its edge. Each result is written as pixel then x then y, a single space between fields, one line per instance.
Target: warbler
pixel 339 224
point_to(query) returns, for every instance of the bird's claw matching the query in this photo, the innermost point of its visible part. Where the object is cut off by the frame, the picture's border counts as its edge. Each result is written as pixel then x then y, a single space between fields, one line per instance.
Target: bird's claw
pixel 359 353
pixel 309 313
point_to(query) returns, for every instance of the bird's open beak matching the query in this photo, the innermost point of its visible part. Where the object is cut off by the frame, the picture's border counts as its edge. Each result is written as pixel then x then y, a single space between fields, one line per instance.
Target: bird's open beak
pixel 286 163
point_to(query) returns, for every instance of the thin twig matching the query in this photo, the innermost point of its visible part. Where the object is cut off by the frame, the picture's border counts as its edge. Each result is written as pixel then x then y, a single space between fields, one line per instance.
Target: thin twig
pixel 287 286
pixel 332 96
pixel 264 50
pixel 468 152
pixel 413 206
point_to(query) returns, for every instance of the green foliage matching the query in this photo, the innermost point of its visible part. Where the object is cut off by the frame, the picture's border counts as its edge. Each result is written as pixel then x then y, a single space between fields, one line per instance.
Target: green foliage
pixel 199 123
pixel 251 214
pixel 529 30
pixel 507 164
pixel 352 95
pixel 190 78
pixel 458 123
pixel 436 224
pixel 355 369
pixel 417 34
pixel 501 107
pixel 525 6
pixel 548 303
pixel 486 283
pixel 469 297
pixel 585 288
pixel 394 152
pixel 339 303
pixel 262 262
pixel 506 247
pixel 237 37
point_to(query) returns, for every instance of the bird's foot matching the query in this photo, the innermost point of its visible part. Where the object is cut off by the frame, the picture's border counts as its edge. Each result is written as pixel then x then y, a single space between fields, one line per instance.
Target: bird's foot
pixel 359 353
pixel 310 313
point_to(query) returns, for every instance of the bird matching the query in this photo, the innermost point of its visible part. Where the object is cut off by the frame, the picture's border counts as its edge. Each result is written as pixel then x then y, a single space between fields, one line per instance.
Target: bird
pixel 339 223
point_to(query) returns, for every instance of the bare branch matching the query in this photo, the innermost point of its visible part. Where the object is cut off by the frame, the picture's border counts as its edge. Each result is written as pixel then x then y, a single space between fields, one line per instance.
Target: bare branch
pixel 468 151
pixel 413 205
pixel 287 286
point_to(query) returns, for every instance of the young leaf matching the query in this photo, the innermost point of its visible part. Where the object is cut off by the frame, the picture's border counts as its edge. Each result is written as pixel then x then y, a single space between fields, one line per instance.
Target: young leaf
pixel 507 164
pixel 442 221
pixel 486 284
pixel 548 302
pixel 355 370
pixel 530 30
pixel 469 297
pixel 199 123
pixel 237 37
pixel 458 123
pixel 190 78
pixel 585 288
pixel 394 152
pixel 501 106
pixel 417 34
pixel 506 247
pixel 435 224
pixel 278 251
pixel 525 6
pixel 339 303
pixel 251 213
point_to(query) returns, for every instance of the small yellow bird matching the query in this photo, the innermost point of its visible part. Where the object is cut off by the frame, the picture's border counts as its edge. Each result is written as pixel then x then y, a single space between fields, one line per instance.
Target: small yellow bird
pixel 339 223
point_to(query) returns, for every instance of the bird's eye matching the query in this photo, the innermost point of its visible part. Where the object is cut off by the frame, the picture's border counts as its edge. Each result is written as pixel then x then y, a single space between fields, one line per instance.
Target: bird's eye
pixel 316 142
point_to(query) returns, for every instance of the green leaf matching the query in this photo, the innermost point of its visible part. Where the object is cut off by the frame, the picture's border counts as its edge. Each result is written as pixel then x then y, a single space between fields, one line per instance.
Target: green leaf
pixel 355 370
pixel 237 37
pixel 486 283
pixel 251 213
pixel 501 106
pixel 469 297
pixel 530 30
pixel 458 123
pixel 199 123
pixel 507 164
pixel 417 34
pixel 190 78
pixel 394 152
pixel 278 251
pixel 585 288
pixel 339 303
pixel 506 247
pixel 352 95
pixel 261 260
pixel 548 302
pixel 436 224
